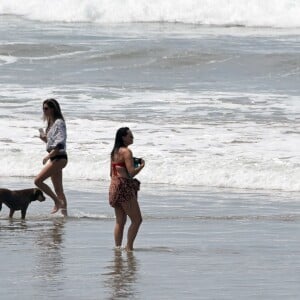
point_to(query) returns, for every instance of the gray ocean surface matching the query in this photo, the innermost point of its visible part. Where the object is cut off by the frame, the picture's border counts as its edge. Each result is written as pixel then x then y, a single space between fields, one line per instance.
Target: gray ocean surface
pixel 215 113
pixel 150 55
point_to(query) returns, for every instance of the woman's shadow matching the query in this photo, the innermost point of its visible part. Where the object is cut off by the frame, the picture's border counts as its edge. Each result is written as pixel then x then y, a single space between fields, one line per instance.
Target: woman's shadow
pixel 122 275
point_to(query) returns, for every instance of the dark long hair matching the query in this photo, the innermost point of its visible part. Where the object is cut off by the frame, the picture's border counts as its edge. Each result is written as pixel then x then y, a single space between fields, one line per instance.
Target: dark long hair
pixel 57 114
pixel 119 140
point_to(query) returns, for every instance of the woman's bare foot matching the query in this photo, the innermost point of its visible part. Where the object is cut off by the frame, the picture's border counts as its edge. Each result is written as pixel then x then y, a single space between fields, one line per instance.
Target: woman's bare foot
pixel 57 206
pixel 128 249
pixel 63 208
pixel 55 209
pixel 64 212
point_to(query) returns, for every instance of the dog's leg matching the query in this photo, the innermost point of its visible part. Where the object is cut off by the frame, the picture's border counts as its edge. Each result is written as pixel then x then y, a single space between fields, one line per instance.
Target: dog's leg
pixel 0 205
pixel 23 213
pixel 11 213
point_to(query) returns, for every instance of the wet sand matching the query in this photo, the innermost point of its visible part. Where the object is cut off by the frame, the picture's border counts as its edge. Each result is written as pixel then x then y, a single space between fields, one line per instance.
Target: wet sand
pixel 200 244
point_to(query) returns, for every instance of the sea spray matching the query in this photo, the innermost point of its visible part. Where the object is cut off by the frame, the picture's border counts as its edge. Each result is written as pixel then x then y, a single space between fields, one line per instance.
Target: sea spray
pixel 254 13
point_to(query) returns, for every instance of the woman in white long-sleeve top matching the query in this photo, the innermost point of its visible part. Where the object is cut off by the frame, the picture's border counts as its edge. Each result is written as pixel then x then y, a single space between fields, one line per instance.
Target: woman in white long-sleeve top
pixel 56 159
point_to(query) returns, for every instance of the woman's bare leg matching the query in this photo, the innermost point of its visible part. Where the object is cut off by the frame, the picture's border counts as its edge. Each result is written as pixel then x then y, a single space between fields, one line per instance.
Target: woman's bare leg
pixel 119 226
pixel 132 209
pixel 50 169
pixel 57 181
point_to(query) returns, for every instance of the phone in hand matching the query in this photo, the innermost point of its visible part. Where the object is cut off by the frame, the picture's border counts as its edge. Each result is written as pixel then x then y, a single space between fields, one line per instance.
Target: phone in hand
pixel 42 133
pixel 137 161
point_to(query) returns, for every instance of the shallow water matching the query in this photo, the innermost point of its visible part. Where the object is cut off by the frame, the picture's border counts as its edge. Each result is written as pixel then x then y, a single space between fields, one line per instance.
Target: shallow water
pixel 199 244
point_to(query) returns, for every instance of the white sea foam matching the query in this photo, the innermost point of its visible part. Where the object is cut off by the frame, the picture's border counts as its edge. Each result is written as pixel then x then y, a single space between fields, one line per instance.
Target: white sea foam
pixel 207 138
pixel 5 59
pixel 267 13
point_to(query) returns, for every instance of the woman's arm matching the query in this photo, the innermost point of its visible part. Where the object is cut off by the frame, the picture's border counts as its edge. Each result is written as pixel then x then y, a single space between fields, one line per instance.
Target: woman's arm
pixel 44 139
pixel 43 135
pixel 57 136
pixel 60 134
pixel 129 163
pixel 50 154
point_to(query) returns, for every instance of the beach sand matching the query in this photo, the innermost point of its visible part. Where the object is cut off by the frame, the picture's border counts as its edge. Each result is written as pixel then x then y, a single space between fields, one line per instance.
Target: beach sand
pixel 193 244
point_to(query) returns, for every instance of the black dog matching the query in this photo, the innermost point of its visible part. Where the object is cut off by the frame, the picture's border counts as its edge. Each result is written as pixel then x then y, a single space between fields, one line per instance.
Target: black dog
pixel 19 200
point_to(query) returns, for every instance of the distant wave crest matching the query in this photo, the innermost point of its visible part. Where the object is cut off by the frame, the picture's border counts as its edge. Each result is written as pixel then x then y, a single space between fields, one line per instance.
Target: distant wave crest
pixel 254 13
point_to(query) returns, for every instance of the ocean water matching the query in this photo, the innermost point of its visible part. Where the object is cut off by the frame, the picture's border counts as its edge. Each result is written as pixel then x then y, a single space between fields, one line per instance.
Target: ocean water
pixel 209 106
pixel 211 94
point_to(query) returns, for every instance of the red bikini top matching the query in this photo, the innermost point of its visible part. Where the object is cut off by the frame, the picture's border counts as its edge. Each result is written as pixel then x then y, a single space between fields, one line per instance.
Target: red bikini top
pixel 114 165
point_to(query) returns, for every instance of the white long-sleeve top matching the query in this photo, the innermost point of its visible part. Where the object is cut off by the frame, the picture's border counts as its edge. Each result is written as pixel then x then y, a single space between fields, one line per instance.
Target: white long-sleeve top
pixel 57 136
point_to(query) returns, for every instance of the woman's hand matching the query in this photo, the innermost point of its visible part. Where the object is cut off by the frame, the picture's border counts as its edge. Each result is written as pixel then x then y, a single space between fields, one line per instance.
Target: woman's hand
pixel 142 163
pixel 43 138
pixel 46 158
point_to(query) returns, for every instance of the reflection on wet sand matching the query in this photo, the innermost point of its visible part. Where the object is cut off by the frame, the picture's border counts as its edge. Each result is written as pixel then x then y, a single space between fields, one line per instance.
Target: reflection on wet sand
pixel 13 225
pixel 50 263
pixel 122 275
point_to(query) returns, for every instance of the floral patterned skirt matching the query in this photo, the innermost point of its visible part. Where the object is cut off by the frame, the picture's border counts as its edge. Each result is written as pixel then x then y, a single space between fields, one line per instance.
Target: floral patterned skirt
pixel 122 189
